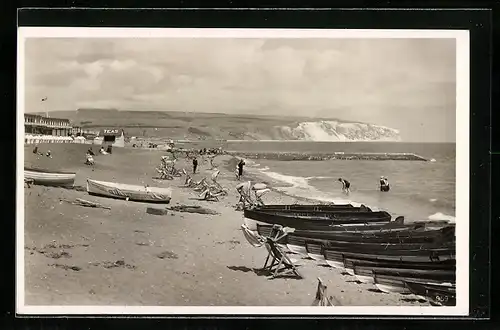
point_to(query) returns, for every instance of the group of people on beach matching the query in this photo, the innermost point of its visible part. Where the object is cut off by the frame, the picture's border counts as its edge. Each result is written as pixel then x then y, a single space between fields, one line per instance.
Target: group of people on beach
pixel 210 151
pixel 384 185
pixel 35 151
pixel 89 154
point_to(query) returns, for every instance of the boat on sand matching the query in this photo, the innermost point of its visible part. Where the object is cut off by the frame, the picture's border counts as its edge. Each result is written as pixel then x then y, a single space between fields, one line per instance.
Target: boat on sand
pixel 129 192
pixel 392 283
pixel 49 178
pixel 440 294
pixel 312 221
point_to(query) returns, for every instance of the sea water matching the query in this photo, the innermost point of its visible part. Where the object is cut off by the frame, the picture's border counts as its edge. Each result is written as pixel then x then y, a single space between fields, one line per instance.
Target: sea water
pixel 419 190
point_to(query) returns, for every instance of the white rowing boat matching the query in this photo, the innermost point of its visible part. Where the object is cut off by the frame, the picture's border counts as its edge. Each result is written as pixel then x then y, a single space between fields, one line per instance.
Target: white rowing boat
pixel 50 178
pixel 129 192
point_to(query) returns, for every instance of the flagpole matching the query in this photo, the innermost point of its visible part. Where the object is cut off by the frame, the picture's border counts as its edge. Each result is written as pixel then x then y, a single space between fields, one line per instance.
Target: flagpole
pixel 46 111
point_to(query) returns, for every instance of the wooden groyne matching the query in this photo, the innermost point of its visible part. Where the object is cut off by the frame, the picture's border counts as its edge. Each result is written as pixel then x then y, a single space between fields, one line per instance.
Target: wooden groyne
pixel 289 156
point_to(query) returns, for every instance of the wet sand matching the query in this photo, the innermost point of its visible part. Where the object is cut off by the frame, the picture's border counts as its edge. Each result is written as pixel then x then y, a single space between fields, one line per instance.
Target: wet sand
pixel 76 255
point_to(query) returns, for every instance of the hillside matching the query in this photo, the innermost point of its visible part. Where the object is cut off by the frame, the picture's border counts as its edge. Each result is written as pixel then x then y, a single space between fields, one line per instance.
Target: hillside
pixel 183 125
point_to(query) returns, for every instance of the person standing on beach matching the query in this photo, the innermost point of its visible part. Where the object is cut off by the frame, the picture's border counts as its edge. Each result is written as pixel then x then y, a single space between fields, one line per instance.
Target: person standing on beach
pixel 346 186
pixel 240 168
pixel 195 165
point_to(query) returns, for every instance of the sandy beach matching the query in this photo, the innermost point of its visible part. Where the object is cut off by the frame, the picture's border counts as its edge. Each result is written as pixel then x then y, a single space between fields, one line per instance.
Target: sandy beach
pixel 76 255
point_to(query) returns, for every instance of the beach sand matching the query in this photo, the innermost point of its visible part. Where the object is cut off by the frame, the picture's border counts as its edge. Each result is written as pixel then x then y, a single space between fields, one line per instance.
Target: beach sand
pixel 76 255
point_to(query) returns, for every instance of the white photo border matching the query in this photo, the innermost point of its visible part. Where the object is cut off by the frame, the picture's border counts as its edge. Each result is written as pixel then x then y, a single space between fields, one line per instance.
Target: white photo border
pixel 462 171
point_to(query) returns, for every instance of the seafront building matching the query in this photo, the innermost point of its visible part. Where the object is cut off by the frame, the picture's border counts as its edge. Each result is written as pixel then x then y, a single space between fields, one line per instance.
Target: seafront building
pixel 36 124
pixel 80 131
pixel 40 129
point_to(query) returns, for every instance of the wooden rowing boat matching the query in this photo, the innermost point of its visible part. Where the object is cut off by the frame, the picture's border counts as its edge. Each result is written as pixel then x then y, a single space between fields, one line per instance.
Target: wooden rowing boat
pixel 335 257
pixel 363 229
pixel 129 192
pixel 297 208
pixel 432 237
pixel 387 236
pixel 395 283
pixel 350 262
pixel 317 245
pixel 364 273
pixel 50 178
pixel 436 293
pixel 318 221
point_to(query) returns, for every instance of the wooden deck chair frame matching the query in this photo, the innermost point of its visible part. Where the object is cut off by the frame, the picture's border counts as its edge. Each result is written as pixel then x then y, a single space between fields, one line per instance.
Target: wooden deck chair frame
pixel 163 174
pixel 245 198
pixel 29 182
pixel 254 239
pixel 209 195
pixel 189 180
pixel 321 296
pixel 201 185
pixel 197 184
pixel 279 261
pixel 259 200
pixel 175 172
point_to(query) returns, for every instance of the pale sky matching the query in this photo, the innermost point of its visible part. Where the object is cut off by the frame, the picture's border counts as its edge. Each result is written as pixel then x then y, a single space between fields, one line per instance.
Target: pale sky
pixel 407 84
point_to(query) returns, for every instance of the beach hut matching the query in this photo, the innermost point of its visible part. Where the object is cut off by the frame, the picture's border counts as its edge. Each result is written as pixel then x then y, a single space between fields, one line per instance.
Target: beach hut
pixel 112 136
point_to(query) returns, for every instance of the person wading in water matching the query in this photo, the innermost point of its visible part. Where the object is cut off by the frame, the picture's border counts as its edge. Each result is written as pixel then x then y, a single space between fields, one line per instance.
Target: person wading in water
pixel 346 186
pixel 195 165
pixel 240 169
pixel 384 184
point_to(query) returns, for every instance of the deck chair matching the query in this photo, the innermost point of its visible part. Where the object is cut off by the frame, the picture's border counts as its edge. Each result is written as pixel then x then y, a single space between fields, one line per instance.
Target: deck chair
pixel 253 238
pixel 209 195
pixel 189 181
pixel 28 182
pixel 259 194
pixel 175 172
pixel 280 262
pixel 193 184
pixel 321 297
pixel 218 189
pixel 201 185
pixel 245 196
pixel 163 174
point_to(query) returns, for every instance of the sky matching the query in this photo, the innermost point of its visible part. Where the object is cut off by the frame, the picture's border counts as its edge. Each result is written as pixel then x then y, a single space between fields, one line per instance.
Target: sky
pixel 407 84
